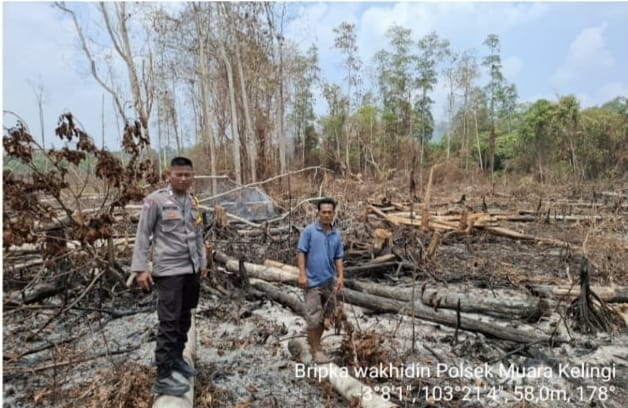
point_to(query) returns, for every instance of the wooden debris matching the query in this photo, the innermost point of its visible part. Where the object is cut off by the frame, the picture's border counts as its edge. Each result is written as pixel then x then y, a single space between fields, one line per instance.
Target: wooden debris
pixel 346 385
pixel 474 301
pixel 389 305
pixel 617 294
pixel 589 313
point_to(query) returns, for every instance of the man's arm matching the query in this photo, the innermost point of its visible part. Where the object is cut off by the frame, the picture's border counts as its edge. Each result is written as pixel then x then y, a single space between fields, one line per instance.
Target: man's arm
pixel 303 247
pixel 301 262
pixel 340 270
pixel 202 251
pixel 145 228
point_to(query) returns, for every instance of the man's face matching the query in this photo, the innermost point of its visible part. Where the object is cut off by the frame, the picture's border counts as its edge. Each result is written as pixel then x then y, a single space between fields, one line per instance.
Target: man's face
pixel 181 178
pixel 326 214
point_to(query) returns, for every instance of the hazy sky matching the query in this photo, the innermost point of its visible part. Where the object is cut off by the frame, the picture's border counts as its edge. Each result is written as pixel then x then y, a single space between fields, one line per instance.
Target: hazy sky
pixel 547 49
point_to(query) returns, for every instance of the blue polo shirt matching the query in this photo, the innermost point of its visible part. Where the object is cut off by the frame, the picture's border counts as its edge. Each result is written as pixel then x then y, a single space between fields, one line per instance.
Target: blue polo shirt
pixel 321 249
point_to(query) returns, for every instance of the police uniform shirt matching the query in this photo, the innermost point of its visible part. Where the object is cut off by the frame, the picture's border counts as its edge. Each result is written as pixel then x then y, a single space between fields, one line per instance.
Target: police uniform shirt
pixel 175 224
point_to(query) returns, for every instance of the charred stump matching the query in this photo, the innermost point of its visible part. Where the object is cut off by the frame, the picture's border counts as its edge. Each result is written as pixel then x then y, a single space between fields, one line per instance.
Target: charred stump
pixel 588 312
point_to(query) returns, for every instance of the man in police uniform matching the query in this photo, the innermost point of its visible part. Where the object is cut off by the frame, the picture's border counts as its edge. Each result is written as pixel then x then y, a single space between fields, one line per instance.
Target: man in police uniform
pixel 172 217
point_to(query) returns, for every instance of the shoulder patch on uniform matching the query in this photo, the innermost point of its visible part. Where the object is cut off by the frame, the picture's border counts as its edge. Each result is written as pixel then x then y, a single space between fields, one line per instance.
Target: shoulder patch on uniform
pixel 148 203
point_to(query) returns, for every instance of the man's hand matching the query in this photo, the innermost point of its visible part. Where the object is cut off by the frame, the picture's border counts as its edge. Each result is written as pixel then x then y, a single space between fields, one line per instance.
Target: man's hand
pixel 204 272
pixel 301 262
pixel 340 283
pixel 145 281
pixel 302 281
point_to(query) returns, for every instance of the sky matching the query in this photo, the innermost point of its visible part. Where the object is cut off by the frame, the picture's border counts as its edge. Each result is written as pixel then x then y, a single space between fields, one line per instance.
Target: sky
pixel 547 49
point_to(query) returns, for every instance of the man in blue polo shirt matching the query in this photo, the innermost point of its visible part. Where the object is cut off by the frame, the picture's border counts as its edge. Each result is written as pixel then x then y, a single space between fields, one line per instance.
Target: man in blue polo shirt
pixel 321 272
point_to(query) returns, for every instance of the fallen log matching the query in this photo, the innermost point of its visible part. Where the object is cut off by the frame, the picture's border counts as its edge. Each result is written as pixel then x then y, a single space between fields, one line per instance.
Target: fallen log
pixel 257 232
pixel 417 222
pixel 346 385
pixel 418 310
pixel 505 232
pixel 24 265
pixel 473 301
pixel 618 294
pixel 381 214
pixel 613 194
pixel 369 267
pixel 233 217
pixel 276 294
pixel 383 258
pixel 42 292
pixel 256 271
pixel 423 312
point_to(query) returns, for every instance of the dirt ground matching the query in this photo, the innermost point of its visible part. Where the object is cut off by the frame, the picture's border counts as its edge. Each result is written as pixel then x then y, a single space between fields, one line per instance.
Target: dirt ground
pixel 88 358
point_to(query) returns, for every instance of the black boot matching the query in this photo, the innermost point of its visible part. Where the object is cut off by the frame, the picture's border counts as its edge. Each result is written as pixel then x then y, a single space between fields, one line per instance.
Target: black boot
pixel 170 386
pixel 184 368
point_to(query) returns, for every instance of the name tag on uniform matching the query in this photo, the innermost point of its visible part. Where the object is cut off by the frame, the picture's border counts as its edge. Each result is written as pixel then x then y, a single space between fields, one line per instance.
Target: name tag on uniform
pixel 173 215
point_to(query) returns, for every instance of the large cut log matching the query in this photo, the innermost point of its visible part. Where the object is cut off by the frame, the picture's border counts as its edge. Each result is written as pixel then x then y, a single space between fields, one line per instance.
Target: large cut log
pixel 346 385
pixel 505 232
pixel 511 305
pixel 419 310
pixel 350 271
pixel 618 294
pixel 187 400
pixel 256 271
pixel 280 296
pixel 41 292
pixel 447 318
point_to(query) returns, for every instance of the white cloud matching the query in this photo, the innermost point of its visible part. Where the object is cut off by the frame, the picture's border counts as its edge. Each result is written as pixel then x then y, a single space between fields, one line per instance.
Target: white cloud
pixel 588 54
pixel 603 94
pixel 598 96
pixel 464 22
pixel 611 90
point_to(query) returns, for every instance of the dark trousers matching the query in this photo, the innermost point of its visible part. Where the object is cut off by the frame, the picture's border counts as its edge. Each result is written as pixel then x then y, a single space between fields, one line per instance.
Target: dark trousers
pixel 177 295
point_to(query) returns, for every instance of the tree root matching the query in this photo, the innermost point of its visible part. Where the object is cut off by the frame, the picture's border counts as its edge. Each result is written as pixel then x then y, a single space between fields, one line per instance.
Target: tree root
pixel 588 312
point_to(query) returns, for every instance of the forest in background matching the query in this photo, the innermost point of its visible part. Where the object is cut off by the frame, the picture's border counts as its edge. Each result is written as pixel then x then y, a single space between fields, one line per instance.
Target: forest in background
pixel 221 83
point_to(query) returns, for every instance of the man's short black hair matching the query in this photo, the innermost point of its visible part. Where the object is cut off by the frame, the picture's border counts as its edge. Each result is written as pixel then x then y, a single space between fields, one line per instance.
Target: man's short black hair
pixel 326 200
pixel 181 161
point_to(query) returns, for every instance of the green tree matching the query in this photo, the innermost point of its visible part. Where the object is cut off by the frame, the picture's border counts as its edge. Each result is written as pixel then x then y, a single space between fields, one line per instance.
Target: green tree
pixel 432 50
pixel 467 71
pixel 306 73
pixel 535 137
pixel 396 81
pixel 493 62
pixel 346 42
pixel 567 122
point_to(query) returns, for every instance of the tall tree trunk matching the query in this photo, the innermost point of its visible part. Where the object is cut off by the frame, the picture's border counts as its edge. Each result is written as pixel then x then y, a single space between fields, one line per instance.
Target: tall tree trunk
pixel 491 149
pixel 452 102
pixel 174 113
pixel 465 141
pixel 160 134
pixel 123 47
pixel 205 80
pixel 281 137
pixel 102 121
pixel 237 164
pixel 250 135
pixel 477 139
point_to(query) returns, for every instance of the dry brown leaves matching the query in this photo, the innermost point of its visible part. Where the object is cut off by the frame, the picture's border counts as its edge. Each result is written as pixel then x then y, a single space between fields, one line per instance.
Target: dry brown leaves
pixel 125 386
pixel 364 348
pixel 25 211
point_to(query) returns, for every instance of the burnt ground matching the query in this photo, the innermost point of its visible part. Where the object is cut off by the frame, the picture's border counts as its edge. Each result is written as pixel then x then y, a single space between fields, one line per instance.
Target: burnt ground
pixel 100 352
